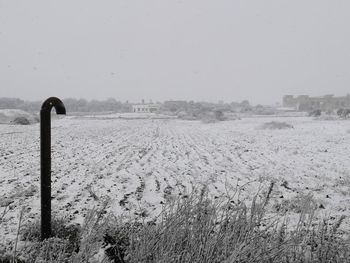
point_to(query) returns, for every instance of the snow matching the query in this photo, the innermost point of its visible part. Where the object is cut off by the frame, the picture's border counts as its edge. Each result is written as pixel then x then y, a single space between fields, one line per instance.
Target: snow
pixel 139 163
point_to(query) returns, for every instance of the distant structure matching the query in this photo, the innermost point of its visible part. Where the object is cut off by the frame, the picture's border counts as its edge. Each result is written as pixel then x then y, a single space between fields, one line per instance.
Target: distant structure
pixel 145 108
pixel 324 103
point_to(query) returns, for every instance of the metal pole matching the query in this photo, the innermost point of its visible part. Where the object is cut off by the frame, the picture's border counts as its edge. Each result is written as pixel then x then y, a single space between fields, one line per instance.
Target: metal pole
pixel 45 161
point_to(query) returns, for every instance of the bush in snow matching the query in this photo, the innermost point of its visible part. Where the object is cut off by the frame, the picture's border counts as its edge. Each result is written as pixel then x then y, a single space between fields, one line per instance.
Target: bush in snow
pixel 315 113
pixel 340 112
pixel 343 113
pixel 21 121
pixel 275 125
pixel 212 117
pixel 346 113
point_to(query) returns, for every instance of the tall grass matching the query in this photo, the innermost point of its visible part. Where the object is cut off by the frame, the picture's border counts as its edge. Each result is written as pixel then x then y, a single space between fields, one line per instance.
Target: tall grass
pixel 200 229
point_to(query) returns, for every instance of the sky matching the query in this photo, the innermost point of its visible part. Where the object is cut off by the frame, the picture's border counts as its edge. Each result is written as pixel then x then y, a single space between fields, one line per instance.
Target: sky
pixel 202 50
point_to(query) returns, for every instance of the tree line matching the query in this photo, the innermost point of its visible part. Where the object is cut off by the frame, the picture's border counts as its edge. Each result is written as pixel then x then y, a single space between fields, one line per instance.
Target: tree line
pixel 111 104
pixel 73 105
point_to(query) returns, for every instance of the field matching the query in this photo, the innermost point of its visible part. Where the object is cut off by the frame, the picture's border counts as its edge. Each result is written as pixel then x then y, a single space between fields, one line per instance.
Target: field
pixel 138 164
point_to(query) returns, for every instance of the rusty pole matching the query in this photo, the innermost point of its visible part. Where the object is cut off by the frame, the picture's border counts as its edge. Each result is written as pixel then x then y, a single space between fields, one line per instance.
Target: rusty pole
pixel 45 161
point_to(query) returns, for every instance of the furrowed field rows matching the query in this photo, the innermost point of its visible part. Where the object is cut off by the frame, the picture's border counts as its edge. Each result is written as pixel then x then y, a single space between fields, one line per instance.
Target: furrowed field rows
pixel 138 164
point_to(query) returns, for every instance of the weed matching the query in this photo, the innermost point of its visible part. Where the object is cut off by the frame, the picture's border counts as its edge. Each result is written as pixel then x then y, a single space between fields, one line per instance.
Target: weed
pixel 194 229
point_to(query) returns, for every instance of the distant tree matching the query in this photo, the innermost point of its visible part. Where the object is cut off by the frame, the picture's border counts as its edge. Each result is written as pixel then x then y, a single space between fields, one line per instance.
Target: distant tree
pixel 245 106
pixel 304 106
pixel 343 113
pixel 11 103
pixel 175 106
pixel 219 115
pixel 346 113
pixel 72 105
pixel 329 112
pixel 245 103
pixel 82 105
pixel 340 112
pixel 315 113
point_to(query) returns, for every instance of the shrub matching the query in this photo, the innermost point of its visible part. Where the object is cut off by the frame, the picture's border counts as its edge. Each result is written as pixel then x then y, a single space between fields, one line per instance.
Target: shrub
pixel 274 125
pixel 346 113
pixel 340 112
pixel 21 121
pixel 315 113
pixel 343 113
pixel 212 117
pixel 65 241
pixel 60 228
pixel 219 115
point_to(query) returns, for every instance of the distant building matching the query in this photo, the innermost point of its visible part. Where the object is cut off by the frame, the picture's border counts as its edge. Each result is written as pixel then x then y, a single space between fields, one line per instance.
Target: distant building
pixel 324 103
pixel 145 108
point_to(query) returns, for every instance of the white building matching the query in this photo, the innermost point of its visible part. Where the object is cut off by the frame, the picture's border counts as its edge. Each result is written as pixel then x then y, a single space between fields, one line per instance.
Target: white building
pixel 145 108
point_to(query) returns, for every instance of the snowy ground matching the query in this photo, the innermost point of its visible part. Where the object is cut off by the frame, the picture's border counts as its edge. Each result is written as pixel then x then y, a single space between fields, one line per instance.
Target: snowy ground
pixel 139 163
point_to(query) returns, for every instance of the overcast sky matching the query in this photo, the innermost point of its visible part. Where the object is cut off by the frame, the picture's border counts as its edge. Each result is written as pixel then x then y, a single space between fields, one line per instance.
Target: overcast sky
pixel 209 50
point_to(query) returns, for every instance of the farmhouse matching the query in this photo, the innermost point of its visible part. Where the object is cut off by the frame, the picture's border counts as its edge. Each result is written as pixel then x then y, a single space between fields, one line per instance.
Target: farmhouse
pixel 145 108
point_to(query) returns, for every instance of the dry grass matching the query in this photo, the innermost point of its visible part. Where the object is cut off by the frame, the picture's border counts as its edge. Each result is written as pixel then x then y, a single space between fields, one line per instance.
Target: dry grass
pixel 197 229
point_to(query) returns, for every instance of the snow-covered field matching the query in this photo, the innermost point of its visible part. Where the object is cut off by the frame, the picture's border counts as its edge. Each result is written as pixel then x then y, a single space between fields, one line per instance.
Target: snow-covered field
pixel 139 163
